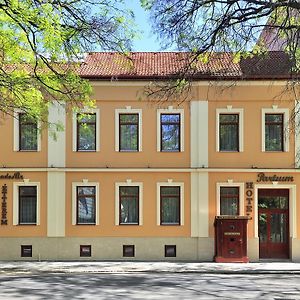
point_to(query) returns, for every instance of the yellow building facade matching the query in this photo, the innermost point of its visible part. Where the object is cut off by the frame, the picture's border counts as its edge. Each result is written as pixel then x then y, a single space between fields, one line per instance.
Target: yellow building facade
pixel 136 180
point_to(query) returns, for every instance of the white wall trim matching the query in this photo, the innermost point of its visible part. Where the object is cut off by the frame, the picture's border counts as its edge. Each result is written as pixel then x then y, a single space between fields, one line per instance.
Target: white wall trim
pixel 57 145
pixel 74 127
pixel 117 193
pixel 152 170
pixel 286 134
pixel 74 200
pixel 128 110
pixel 292 206
pixel 297 134
pixel 230 110
pixel 56 206
pixel 170 183
pixel 241 195
pixel 199 205
pixel 16 145
pixel 170 110
pixel 199 134
pixel 16 200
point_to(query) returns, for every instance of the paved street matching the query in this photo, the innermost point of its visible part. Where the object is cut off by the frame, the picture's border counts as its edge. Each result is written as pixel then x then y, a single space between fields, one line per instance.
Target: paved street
pixel 149 286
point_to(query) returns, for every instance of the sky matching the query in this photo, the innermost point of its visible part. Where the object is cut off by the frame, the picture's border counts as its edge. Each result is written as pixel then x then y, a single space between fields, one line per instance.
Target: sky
pixel 148 41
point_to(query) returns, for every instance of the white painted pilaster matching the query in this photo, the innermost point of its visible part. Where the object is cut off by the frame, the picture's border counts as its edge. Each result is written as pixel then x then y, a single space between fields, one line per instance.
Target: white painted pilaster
pixel 57 144
pixel 56 204
pixel 199 205
pixel 199 134
pixel 297 135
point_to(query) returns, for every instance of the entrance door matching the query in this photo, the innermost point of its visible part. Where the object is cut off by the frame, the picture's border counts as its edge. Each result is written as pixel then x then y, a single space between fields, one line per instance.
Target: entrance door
pixel 273 223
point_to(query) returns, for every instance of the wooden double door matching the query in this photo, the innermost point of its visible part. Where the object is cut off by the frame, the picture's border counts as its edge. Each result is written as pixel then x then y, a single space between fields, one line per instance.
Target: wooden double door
pixel 273 223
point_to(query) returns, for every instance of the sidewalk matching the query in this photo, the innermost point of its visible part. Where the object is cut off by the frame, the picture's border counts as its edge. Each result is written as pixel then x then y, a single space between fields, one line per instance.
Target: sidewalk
pixel 10 268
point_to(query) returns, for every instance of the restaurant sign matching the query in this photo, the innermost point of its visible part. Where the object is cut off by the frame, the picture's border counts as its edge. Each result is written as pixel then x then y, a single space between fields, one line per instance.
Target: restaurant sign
pixel 16 175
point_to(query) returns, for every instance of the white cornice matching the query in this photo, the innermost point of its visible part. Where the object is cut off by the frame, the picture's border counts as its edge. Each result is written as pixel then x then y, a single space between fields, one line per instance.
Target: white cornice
pixel 150 170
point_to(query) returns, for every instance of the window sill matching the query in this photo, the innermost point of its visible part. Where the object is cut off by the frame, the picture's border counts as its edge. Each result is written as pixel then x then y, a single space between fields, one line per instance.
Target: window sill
pixel 27 224
pixel 128 151
pixel 85 224
pixel 170 224
pixel 121 224
pixel 229 151
pixel 28 151
pixel 86 151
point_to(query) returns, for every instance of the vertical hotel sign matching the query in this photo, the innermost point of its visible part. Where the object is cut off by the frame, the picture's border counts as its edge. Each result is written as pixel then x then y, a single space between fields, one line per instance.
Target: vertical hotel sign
pixel 249 198
pixel 16 175
pixel 4 205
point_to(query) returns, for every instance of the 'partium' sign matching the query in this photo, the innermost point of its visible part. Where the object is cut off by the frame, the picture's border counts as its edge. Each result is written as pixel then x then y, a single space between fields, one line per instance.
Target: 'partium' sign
pixel 16 175
pixel 261 177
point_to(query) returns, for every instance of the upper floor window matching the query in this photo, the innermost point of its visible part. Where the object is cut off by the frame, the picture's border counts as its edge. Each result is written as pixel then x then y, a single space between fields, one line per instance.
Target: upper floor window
pixel 128 130
pixel 129 205
pixel 275 133
pixel 86 204
pixel 229 125
pixel 86 132
pixel 26 203
pixel 229 201
pixel 86 135
pixel 170 130
pixel 229 132
pixel 28 133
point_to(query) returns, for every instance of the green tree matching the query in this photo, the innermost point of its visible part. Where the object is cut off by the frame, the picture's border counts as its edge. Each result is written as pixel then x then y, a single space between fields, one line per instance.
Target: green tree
pixel 42 45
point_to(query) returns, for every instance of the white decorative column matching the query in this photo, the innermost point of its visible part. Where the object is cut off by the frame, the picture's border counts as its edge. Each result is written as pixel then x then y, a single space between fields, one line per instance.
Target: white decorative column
pixel 56 195
pixel 199 134
pixel 199 204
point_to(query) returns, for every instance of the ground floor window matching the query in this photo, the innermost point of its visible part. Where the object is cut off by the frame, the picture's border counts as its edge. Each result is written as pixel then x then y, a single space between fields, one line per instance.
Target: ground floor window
pixel 129 205
pixel 86 205
pixel 27 204
pixel 229 200
pixel 170 205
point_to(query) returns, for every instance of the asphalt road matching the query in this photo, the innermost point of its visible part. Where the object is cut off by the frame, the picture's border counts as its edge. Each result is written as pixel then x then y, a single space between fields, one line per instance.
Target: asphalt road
pixel 149 286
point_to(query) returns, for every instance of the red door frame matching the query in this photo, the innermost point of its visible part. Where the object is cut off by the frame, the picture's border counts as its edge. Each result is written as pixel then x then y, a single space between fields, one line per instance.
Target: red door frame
pixel 270 249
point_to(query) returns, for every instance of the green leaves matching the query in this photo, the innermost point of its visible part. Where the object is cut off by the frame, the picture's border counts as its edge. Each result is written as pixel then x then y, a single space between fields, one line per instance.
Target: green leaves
pixel 41 48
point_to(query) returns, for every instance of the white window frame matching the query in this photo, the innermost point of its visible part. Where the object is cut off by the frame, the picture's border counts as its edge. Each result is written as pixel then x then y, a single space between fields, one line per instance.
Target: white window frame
pixel 128 110
pixel 286 135
pixel 16 129
pixel 74 125
pixel 170 110
pixel 241 187
pixel 117 200
pixel 74 201
pixel 16 186
pixel 170 183
pixel 229 110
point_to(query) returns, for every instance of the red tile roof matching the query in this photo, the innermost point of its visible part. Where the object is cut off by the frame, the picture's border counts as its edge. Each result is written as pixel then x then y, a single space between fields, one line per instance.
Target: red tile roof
pixel 165 65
